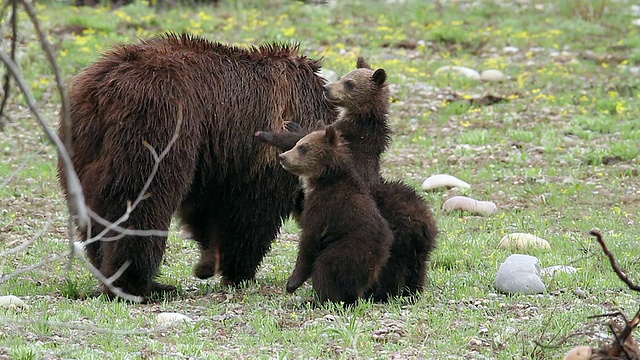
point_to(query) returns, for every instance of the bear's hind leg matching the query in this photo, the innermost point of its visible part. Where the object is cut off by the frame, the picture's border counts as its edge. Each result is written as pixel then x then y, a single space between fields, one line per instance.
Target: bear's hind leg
pixel 244 243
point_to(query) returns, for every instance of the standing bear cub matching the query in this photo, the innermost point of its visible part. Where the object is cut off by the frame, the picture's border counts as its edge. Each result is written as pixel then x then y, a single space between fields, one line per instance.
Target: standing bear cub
pixel 363 97
pixel 345 240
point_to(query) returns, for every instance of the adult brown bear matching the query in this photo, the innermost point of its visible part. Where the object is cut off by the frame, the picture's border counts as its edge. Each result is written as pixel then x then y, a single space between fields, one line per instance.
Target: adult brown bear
pixel 227 188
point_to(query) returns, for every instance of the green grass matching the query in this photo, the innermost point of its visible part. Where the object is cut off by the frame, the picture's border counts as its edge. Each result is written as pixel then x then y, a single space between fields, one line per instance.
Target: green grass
pixel 559 157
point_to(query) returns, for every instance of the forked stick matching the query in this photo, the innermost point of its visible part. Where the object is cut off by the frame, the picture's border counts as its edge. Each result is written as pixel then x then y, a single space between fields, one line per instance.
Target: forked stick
pixel 629 325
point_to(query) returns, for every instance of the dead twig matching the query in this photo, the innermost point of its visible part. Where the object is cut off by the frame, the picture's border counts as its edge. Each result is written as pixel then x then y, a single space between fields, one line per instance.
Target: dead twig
pixel 624 341
pixel 14 41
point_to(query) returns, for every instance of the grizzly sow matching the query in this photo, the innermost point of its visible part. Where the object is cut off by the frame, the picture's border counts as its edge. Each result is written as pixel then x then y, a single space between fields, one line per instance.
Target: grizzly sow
pixel 345 241
pixel 226 187
pixel 363 97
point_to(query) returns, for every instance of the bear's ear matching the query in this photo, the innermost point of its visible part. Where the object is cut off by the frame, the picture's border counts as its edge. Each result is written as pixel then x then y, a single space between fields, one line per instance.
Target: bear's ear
pixel 379 77
pixel 361 63
pixel 331 135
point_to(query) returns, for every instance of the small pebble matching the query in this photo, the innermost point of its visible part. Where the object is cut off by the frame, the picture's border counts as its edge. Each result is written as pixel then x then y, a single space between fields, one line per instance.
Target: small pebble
pixel 11 300
pixel 580 293
pixel 483 208
pixel 521 241
pixel 551 270
pixel 170 318
pixel 443 180
pixel 492 75
pixel 510 49
pixel 465 71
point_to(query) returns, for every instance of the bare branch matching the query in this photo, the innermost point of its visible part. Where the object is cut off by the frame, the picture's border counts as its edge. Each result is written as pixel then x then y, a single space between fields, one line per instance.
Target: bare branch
pixel 7 277
pixel 14 42
pixel 62 88
pixel 121 230
pixel 22 166
pixel 75 195
pixel 612 260
pixel 6 320
pixel 108 282
pixel 629 326
pixel 25 244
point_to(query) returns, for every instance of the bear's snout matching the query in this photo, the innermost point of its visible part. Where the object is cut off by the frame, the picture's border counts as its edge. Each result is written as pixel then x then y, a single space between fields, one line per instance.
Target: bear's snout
pixel 325 87
pixel 282 157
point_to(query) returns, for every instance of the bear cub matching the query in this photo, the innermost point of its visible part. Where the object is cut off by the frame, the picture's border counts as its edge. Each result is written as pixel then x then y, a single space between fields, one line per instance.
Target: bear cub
pixel 363 98
pixel 345 240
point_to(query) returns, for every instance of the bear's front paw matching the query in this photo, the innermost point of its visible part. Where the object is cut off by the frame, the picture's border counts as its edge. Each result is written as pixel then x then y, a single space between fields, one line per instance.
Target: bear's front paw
pixel 292 126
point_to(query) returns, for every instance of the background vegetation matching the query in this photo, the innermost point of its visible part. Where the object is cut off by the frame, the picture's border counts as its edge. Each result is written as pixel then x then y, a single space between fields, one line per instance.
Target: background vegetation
pixel 558 156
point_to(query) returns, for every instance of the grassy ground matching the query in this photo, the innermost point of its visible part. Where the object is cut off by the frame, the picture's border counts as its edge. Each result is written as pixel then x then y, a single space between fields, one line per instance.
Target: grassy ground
pixel 558 157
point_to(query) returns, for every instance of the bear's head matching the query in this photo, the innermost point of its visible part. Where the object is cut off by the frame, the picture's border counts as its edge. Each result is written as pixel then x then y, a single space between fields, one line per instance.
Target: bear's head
pixel 360 89
pixel 316 154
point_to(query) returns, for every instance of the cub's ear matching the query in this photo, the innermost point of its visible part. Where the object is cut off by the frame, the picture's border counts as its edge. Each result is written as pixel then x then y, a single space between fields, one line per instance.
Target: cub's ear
pixel 361 63
pixel 379 77
pixel 331 135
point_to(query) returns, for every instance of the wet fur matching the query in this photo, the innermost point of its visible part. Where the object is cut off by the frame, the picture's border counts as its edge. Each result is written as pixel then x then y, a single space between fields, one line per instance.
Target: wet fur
pixel 364 124
pixel 227 187
pixel 345 240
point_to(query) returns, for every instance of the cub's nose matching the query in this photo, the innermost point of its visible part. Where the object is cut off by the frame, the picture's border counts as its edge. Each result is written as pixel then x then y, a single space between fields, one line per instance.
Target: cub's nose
pixel 281 157
pixel 326 88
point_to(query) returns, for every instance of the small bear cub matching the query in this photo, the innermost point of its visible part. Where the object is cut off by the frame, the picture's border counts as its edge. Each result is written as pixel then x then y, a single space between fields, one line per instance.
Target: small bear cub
pixel 345 240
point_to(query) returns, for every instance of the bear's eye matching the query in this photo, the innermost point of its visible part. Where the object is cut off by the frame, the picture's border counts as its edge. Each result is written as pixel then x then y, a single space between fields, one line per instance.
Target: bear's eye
pixel 349 85
pixel 303 149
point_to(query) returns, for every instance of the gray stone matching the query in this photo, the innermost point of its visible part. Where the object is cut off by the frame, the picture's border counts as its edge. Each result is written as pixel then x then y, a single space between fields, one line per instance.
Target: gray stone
pixel 519 274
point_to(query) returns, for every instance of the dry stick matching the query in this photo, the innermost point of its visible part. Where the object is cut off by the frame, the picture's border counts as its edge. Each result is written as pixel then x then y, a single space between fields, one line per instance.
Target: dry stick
pixel 6 320
pixel 14 42
pixel 143 193
pixel 636 319
pixel 122 231
pixel 25 244
pixel 75 197
pixel 108 282
pixel 22 166
pixel 7 277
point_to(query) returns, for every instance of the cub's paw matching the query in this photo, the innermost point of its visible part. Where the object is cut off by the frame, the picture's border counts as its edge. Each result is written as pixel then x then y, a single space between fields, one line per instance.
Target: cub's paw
pixel 292 126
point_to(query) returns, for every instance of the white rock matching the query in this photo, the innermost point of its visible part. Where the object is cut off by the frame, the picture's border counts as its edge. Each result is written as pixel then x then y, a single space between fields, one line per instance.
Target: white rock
pixel 522 241
pixel 328 75
pixel 551 270
pixel 465 71
pixel 492 75
pixel 443 180
pixel 519 274
pixel 11 300
pixel 483 208
pixel 636 22
pixel 186 234
pixel 170 318
pixel 510 49
pixel 579 353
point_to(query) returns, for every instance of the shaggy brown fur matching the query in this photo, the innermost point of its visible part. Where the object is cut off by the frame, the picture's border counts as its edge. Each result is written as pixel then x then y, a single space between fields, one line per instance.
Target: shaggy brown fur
pixel 363 97
pixel 227 188
pixel 345 241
